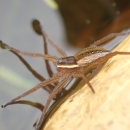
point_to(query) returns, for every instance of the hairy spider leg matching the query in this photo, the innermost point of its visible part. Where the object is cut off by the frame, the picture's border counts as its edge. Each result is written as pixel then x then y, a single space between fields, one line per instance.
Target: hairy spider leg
pixel 53 79
pixel 52 95
pixel 60 51
pixel 109 55
pixel 49 70
pixel 38 29
pixel 80 74
pixel 46 57
pixel 108 37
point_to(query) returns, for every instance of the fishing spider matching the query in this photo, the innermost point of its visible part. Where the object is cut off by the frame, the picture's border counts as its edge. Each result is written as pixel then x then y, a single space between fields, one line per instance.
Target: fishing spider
pixel 68 66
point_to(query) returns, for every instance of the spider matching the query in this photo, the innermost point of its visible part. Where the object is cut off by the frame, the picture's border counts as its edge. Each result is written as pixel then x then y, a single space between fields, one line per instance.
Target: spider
pixel 67 66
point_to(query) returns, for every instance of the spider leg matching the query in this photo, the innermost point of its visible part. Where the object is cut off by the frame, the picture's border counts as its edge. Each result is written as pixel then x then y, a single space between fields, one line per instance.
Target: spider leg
pixel 45 48
pixel 86 80
pixel 53 79
pixel 38 29
pixel 112 35
pixel 60 51
pixel 46 57
pixel 52 95
pixel 49 87
pixel 111 54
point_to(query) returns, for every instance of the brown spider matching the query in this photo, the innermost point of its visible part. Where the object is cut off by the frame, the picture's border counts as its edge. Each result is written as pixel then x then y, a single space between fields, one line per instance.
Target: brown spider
pixel 68 66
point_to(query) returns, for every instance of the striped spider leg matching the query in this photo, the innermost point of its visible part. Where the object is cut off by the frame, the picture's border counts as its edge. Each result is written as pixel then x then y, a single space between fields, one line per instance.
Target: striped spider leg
pixel 68 66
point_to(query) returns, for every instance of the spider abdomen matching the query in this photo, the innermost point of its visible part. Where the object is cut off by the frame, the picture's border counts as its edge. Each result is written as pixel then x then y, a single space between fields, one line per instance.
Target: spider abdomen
pixel 89 55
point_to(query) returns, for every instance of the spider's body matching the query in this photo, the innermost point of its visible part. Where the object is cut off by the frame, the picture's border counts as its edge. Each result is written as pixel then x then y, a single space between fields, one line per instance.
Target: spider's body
pixel 82 59
pixel 67 67
pixel 90 55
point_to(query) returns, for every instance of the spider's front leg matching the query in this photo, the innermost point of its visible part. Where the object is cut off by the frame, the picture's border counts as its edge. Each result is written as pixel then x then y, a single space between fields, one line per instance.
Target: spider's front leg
pixel 38 29
pixel 53 79
pixel 46 57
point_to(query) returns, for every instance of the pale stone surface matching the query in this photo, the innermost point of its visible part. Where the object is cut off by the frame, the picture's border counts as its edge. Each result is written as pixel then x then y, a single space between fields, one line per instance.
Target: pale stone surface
pixel 108 108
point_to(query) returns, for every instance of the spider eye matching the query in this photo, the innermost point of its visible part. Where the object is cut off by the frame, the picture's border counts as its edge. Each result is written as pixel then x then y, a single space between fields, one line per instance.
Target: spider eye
pixel 60 61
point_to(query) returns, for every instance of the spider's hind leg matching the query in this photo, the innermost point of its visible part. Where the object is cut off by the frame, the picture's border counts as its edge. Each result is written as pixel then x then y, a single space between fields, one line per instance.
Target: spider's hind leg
pixel 80 74
pixel 108 37
pixel 52 95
